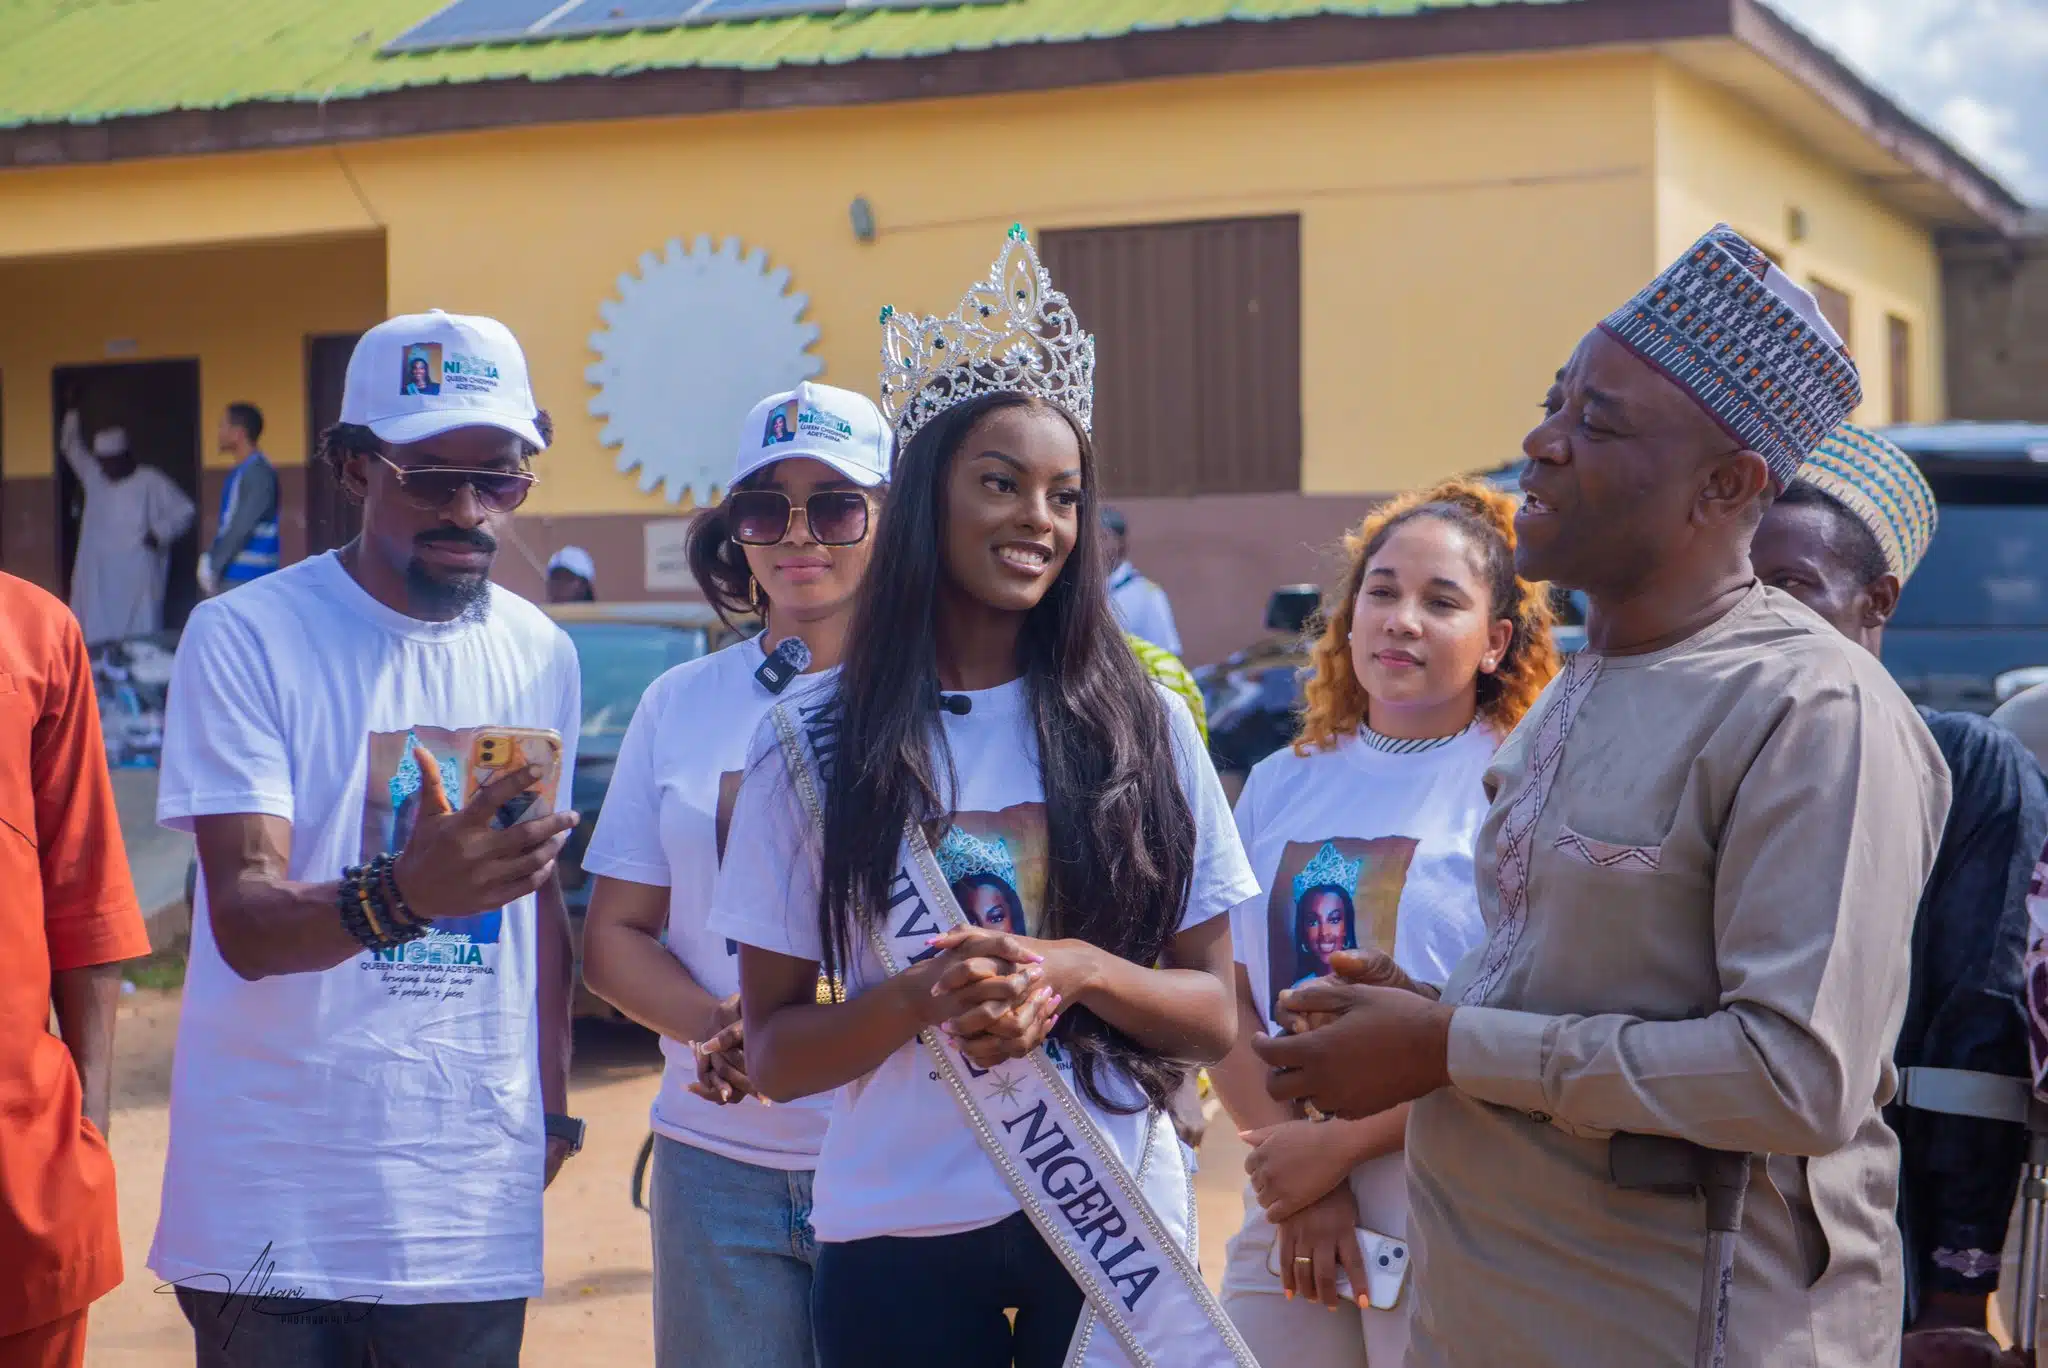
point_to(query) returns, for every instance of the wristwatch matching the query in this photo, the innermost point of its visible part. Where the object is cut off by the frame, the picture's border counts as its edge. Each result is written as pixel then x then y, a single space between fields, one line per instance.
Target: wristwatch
pixel 568 1128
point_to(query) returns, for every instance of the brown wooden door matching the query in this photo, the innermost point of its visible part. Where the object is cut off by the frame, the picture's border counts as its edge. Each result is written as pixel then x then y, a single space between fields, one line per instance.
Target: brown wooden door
pixel 332 518
pixel 1197 351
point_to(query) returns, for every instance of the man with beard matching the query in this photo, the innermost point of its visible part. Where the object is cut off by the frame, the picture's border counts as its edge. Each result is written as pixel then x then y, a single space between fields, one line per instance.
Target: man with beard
pixel 371 1073
pixel 1698 876
pixel 1843 540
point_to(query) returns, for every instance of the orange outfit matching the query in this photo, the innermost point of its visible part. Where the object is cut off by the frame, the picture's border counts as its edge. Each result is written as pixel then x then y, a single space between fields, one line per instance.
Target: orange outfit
pixel 66 902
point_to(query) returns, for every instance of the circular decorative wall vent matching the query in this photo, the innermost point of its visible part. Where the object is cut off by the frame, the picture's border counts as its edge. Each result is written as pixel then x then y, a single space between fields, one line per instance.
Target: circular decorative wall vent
pixel 695 339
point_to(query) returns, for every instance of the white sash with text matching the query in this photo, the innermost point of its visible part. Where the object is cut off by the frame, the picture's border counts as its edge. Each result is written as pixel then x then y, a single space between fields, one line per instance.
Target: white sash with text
pixel 1128 1238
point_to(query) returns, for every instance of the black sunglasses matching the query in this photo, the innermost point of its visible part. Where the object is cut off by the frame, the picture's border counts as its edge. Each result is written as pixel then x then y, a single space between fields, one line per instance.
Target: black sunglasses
pixel 435 487
pixel 836 517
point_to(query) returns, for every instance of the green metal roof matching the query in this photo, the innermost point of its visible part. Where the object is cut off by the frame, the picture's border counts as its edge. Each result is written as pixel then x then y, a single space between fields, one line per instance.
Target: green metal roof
pixel 82 61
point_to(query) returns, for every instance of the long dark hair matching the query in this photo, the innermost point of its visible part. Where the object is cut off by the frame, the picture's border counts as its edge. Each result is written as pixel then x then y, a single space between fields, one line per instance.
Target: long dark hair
pixel 1120 834
pixel 719 564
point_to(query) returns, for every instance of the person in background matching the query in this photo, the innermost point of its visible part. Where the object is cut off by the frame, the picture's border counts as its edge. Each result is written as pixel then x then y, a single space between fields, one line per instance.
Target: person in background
pixel 374 1046
pixel 572 576
pixel 1431 652
pixel 68 917
pixel 1843 539
pixel 733 1248
pixel 2025 715
pixel 245 546
pixel 133 513
pixel 1698 876
pixel 1141 606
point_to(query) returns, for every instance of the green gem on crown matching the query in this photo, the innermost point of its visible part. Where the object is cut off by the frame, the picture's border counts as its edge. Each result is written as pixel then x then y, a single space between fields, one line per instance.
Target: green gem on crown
pixel 1017 232
pixel 888 312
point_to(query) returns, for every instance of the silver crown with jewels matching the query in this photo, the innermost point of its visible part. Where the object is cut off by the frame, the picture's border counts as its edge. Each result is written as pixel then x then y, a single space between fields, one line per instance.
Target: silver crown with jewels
pixel 1328 868
pixel 1013 333
pixel 962 856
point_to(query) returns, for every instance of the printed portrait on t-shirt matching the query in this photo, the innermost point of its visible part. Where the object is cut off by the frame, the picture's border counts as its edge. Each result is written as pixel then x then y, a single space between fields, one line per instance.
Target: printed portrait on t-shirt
pixel 1343 893
pixel 995 864
pixel 391 813
pixel 728 794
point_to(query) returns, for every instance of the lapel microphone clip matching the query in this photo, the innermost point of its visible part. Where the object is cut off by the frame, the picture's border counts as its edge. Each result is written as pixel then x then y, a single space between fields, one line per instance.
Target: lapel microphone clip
pixel 789 659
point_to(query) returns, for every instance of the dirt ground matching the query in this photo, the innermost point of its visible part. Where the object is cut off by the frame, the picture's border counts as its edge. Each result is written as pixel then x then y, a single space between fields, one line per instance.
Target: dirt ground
pixel 598 1302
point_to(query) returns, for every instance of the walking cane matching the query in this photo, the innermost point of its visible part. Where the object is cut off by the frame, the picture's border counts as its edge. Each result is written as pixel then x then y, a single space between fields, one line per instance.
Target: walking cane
pixel 1999 1097
pixel 1679 1168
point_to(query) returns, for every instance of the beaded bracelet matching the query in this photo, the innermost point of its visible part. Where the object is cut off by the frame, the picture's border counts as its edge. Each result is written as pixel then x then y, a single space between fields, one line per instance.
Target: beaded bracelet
pixel 366 912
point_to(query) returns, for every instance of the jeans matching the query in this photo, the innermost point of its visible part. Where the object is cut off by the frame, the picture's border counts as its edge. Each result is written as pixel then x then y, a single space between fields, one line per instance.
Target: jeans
pixel 264 1332
pixel 733 1254
pixel 897 1301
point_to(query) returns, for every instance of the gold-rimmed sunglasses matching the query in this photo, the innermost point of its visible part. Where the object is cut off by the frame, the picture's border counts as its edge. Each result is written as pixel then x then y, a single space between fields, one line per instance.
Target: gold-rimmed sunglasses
pixel 431 488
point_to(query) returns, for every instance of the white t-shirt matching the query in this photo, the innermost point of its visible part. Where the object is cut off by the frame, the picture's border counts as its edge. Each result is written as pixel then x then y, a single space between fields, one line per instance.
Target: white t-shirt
pixel 899 1157
pixel 375 1130
pixel 1365 846
pixel 669 804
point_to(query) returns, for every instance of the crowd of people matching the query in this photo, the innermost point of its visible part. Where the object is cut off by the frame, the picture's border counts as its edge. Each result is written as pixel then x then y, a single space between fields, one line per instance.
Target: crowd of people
pixel 936 902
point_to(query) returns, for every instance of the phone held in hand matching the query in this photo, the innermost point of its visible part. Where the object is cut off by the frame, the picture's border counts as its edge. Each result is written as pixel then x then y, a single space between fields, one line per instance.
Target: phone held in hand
pixel 1386 1268
pixel 494 750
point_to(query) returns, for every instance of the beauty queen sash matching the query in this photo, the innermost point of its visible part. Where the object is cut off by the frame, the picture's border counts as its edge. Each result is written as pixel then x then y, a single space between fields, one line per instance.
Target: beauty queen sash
pixel 1127 1238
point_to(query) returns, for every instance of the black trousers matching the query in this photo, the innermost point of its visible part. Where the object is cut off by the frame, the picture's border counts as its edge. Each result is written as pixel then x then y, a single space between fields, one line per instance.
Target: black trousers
pixel 895 1301
pixel 279 1332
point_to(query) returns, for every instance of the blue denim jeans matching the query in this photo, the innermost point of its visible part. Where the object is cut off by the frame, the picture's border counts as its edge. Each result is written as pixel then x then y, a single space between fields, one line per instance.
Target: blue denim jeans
pixel 264 1332
pixel 733 1254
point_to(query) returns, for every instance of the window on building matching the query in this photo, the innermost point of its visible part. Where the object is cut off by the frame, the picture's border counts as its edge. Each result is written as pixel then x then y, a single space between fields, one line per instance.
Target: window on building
pixel 1899 336
pixel 1834 307
pixel 1197 351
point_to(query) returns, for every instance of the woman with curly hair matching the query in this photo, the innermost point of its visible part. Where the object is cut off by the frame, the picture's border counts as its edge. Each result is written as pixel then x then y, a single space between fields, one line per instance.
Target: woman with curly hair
pixel 1362 834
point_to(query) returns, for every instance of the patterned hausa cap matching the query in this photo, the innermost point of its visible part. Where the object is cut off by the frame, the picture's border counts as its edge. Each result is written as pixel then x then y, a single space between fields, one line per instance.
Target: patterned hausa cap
pixel 1882 486
pixel 1750 346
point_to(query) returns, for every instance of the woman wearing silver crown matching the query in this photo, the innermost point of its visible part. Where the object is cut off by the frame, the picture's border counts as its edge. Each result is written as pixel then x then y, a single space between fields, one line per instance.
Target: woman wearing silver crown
pixel 1363 833
pixel 993 749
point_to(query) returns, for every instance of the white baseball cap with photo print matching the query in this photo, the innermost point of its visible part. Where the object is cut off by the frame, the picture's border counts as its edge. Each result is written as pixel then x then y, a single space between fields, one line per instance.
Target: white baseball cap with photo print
pixel 420 375
pixel 839 427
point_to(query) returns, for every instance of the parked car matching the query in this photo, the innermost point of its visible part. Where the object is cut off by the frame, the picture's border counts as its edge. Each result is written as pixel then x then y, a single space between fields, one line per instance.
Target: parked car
pixel 1971 629
pixel 622 647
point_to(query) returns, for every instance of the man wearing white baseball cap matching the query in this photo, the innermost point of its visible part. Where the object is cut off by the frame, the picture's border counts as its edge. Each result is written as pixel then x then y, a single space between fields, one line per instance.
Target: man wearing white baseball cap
pixel 373 1049
pixel 572 576
pixel 731 1187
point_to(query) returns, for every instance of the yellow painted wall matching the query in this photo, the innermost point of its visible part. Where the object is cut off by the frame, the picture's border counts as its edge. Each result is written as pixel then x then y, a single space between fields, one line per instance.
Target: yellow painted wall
pixel 1463 223
pixel 243 311
pixel 1720 161
pixel 1436 295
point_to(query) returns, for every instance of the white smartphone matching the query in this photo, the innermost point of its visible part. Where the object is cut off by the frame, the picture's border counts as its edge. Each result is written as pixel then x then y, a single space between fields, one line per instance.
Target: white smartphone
pixel 1386 1268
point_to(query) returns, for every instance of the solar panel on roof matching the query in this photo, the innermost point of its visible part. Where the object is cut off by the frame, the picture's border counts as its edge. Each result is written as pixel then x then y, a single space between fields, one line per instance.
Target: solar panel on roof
pixel 711 11
pixel 605 16
pixel 477 21
pixel 467 23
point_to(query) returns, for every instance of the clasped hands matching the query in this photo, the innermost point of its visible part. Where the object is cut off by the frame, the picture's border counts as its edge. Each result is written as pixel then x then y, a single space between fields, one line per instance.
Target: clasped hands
pixel 1363 1039
pixel 998 996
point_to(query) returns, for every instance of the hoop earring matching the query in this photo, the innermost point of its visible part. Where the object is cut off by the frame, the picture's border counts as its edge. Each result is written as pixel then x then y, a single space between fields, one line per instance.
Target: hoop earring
pixel 754 595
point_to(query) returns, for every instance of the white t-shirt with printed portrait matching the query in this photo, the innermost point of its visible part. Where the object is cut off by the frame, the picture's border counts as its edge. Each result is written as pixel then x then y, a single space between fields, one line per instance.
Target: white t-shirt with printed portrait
pixel 1367 846
pixel 374 1130
pixel 899 1157
pixel 664 822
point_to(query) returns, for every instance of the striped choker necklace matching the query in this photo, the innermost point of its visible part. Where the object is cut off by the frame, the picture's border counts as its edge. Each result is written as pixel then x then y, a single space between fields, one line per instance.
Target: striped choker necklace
pixel 1395 745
